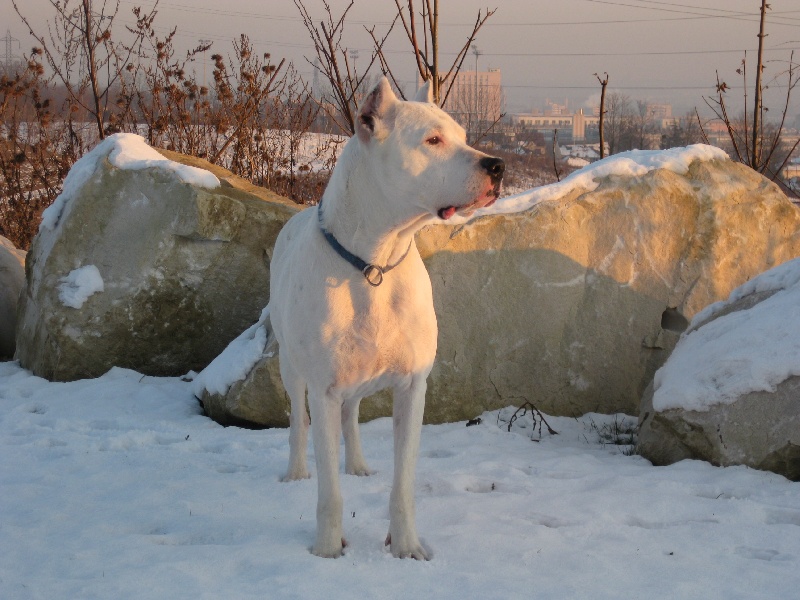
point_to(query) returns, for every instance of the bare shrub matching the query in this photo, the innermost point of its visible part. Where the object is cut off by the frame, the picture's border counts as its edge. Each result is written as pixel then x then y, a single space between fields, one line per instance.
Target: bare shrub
pixel 254 118
pixel 298 162
pixel 168 106
pixel 37 148
pixel 83 54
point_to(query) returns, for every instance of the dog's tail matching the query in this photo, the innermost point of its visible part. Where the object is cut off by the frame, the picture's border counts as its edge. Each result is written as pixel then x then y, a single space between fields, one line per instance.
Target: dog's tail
pixel 271 343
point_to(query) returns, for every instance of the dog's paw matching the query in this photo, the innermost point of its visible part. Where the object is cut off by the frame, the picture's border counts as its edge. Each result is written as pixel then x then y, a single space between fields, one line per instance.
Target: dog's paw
pixel 411 548
pixel 296 475
pixel 328 549
pixel 359 470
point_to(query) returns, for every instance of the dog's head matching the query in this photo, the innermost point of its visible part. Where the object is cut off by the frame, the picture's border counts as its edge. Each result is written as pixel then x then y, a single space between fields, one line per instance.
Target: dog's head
pixel 419 155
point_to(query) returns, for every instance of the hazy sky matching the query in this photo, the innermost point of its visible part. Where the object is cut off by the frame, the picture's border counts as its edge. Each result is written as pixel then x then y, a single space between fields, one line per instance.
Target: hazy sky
pixel 654 50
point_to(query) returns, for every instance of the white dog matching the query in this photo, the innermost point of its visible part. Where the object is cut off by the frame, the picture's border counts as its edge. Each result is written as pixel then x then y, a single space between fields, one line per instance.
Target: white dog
pixel 351 303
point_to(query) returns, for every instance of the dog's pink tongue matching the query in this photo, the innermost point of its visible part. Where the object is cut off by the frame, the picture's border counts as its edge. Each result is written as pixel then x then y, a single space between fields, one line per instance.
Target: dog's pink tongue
pixel 446 213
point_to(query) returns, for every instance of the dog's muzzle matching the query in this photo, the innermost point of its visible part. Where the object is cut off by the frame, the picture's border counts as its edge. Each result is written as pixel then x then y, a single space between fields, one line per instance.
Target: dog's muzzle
pixel 494 167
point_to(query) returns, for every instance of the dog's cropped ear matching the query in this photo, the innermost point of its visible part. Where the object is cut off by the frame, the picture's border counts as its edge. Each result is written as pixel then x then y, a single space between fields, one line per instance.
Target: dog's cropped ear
pixel 376 115
pixel 425 93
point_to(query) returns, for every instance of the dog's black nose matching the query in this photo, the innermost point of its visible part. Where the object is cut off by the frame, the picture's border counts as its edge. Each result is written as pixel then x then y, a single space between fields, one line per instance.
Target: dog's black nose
pixel 494 166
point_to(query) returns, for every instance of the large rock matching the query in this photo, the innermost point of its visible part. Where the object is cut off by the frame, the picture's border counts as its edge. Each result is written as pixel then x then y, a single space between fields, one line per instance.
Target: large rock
pixel 145 263
pixel 12 280
pixel 730 392
pixel 573 303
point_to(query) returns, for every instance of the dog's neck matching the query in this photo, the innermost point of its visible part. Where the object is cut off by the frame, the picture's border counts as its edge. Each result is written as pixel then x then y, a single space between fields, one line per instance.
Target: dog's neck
pixel 350 211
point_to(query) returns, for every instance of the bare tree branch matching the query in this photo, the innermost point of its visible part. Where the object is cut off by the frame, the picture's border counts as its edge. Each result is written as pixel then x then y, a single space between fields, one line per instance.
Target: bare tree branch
pixel 334 65
pixel 700 124
pixel 603 84
pixel 755 157
pixel 82 37
pixel 777 139
pixel 378 44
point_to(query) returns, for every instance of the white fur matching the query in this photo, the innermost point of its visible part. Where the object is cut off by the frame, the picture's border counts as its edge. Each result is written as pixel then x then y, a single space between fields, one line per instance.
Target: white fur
pixel 342 339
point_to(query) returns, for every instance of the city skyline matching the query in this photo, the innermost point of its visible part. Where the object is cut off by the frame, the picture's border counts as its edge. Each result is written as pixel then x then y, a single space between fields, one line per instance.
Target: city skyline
pixel 654 51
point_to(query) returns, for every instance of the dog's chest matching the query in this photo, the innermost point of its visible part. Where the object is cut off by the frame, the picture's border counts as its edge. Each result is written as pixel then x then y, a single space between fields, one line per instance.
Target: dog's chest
pixel 380 332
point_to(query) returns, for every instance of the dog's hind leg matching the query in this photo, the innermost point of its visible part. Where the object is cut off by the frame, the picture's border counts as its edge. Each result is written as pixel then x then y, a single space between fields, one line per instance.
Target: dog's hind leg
pixel 326 428
pixel 298 422
pixel 354 462
pixel 409 404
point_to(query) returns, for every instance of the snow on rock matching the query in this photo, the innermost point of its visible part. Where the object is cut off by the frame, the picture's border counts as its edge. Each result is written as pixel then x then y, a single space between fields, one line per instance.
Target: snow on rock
pixel 123 490
pixel 81 283
pixel 633 163
pixel 236 361
pixel 242 386
pixel 724 356
pixel 782 277
pixel 125 151
pixel 730 391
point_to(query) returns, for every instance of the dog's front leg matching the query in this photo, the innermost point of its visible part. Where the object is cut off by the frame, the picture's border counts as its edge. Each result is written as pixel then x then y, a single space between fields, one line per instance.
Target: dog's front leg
pixel 326 429
pixel 409 404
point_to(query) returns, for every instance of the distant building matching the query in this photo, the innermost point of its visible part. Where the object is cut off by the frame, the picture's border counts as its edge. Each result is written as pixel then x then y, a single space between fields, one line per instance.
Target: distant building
pixel 475 96
pixel 665 124
pixel 576 123
pixel 659 111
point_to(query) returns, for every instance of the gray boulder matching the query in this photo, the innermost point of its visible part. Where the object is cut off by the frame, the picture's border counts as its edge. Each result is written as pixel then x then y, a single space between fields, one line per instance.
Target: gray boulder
pixel 575 302
pixel 145 263
pixel 12 280
pixel 730 392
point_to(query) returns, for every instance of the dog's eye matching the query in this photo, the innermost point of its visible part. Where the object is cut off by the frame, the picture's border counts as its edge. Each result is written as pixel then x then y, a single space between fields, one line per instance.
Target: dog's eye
pixel 433 140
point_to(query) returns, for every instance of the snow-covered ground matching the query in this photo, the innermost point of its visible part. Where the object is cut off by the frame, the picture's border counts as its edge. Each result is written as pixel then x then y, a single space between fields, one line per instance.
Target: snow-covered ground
pixel 119 488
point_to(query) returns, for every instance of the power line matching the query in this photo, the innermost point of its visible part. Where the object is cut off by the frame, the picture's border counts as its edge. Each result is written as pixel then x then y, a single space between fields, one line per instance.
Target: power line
pixel 737 16
pixel 618 87
pixel 308 46
pixel 722 10
pixel 707 88
pixel 655 53
pixel 743 16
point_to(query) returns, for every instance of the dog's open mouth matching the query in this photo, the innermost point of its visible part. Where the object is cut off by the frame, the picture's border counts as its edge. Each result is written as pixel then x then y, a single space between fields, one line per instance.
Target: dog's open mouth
pixel 482 202
pixel 447 212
